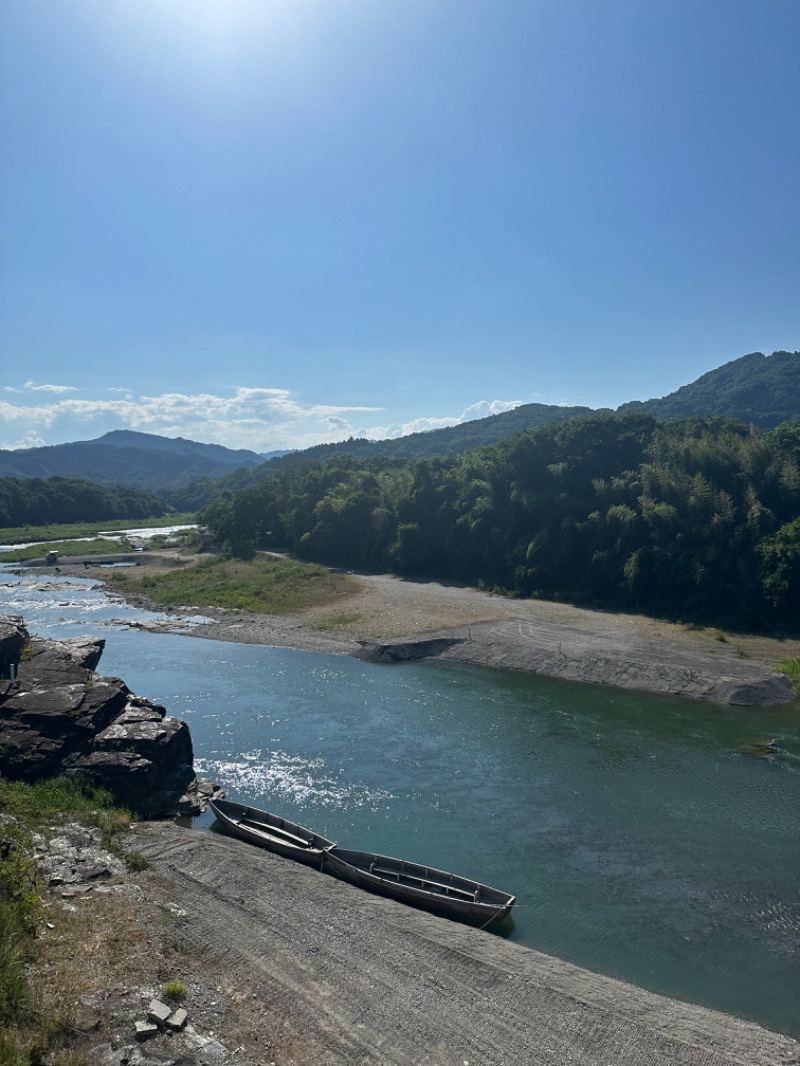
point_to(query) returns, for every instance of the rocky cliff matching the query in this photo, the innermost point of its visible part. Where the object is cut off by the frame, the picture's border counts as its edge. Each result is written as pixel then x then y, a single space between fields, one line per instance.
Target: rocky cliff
pixel 57 716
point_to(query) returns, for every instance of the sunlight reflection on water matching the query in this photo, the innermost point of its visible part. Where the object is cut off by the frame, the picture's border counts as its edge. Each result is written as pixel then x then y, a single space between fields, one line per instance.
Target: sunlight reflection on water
pixel 304 781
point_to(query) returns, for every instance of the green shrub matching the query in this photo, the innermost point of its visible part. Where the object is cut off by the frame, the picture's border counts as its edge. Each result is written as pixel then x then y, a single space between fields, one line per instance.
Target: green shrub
pixel 791 667
pixel 174 991
pixel 135 861
pixel 43 801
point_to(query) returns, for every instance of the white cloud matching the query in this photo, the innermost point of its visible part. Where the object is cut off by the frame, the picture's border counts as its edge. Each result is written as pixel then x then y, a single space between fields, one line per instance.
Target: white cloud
pixel 481 409
pixel 31 387
pixel 258 419
pixel 486 408
pixel 30 440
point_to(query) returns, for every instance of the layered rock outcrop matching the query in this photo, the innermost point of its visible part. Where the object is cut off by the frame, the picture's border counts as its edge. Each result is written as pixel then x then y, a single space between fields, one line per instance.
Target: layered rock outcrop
pixel 57 716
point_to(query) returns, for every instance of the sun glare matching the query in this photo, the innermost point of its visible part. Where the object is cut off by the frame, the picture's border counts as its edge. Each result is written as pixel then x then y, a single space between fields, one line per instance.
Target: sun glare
pixel 213 48
pixel 227 23
pixel 198 35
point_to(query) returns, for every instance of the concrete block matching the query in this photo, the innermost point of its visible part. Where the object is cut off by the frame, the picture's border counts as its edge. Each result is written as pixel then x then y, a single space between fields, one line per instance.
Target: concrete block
pixel 177 1019
pixel 158 1012
pixel 146 1030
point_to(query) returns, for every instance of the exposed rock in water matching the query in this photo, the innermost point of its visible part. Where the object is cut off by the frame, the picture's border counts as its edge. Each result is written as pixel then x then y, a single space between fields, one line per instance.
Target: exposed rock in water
pixel 59 717
pixel 766 750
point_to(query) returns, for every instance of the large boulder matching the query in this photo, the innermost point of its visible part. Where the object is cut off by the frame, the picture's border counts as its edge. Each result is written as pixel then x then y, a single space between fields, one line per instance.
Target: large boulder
pixel 13 638
pixel 60 717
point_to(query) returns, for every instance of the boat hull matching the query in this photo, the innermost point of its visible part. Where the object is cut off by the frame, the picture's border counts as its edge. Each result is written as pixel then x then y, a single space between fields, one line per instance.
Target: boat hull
pixel 267 830
pixel 422 886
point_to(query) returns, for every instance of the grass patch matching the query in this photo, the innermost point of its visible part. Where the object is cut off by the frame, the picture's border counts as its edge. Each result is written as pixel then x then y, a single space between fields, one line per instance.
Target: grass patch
pixel 25 534
pixel 174 991
pixel 791 667
pixel 267 585
pixel 31 1034
pixel 135 861
pixel 65 548
pixel 98 546
pixel 347 622
pixel 40 803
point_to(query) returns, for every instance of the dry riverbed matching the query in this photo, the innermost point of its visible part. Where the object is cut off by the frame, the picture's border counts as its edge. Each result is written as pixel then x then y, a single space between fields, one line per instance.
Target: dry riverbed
pixel 390 619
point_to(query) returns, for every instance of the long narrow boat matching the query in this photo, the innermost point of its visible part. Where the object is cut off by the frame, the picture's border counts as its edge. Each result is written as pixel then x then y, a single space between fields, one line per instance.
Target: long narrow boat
pixel 437 890
pixel 269 831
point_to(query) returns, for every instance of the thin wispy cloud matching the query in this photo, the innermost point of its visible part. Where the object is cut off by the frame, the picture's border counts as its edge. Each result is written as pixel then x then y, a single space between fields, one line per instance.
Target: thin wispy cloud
pixel 261 419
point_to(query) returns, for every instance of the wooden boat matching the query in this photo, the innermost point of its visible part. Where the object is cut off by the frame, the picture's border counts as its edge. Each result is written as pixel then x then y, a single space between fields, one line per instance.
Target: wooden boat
pixel 446 893
pixel 269 831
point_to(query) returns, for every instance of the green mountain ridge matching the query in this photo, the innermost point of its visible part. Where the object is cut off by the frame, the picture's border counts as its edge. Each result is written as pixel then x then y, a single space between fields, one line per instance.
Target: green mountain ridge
pixel 755 389
pixel 771 384
pixel 161 465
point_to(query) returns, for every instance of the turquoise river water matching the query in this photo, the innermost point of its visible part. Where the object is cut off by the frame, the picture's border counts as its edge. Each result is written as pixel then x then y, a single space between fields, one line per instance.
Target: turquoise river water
pixel 638 841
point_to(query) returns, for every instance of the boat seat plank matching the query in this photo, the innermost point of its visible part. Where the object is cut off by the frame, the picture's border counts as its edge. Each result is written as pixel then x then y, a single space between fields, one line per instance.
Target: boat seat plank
pixel 276 831
pixel 382 871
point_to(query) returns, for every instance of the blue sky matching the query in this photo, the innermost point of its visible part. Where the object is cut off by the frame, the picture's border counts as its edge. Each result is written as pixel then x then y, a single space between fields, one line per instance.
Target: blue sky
pixel 269 223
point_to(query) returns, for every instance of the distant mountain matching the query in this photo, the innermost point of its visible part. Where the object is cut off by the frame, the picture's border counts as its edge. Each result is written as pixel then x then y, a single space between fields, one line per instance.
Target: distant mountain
pixel 762 390
pixel 451 439
pixel 162 465
pixel 276 454
pixel 128 438
pixel 759 389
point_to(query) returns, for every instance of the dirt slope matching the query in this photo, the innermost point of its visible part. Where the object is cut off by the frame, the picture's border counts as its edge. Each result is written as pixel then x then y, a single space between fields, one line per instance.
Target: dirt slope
pixel 334 975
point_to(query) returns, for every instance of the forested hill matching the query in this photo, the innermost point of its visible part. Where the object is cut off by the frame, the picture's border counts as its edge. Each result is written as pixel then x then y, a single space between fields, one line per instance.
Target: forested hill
pixel 160 464
pixel 452 439
pixel 58 500
pixel 757 389
pixel 697 519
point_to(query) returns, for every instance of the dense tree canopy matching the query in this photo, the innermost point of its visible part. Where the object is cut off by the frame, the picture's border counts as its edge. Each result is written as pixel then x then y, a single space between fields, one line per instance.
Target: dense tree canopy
pixel 697 518
pixel 760 389
pixel 37 502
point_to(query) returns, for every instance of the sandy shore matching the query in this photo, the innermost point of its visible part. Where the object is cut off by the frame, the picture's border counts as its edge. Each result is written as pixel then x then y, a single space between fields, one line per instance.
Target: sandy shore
pixel 390 619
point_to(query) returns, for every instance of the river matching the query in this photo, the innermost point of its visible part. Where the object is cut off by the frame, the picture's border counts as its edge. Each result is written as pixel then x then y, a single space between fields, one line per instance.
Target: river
pixel 640 843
